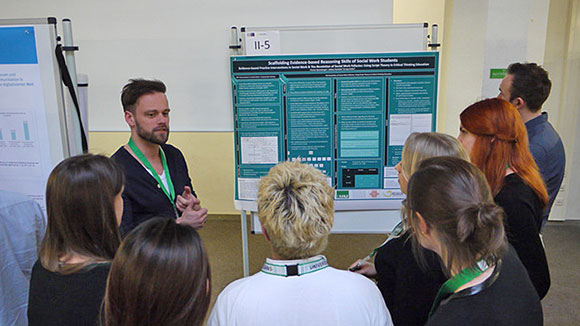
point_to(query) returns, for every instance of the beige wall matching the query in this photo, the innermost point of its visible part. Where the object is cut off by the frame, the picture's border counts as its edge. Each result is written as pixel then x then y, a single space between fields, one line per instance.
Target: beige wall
pixel 432 12
pixel 209 155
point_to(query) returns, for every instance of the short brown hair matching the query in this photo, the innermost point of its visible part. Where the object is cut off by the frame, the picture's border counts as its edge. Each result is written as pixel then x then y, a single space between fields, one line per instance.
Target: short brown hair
pixel 80 196
pixel 137 88
pixel 531 83
pixel 296 208
pixel 160 276
pixel 454 199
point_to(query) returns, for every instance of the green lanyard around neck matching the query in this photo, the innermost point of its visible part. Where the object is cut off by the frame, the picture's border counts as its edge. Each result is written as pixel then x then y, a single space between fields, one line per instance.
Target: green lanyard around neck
pixel 451 285
pixel 171 193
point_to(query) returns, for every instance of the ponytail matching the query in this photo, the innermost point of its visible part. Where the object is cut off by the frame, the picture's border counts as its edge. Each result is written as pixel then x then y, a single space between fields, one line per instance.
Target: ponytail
pixel 480 227
pixel 454 199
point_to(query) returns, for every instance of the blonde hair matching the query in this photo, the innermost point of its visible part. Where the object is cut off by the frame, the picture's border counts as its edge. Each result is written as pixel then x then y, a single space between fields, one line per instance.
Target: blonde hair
pixel 296 208
pixel 420 146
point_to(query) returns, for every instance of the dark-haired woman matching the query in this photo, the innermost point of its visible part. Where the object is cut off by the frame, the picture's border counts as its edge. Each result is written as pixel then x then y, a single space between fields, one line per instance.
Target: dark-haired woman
pixel 160 276
pixel 450 211
pixel 84 208
pixel 495 136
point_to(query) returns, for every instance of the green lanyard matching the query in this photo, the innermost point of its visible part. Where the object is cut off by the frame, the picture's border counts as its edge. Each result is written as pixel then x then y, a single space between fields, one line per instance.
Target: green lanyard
pixel 171 193
pixel 451 285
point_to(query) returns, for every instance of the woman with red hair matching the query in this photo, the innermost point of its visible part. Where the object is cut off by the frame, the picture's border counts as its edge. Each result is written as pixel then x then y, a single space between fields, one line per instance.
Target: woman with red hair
pixel 495 137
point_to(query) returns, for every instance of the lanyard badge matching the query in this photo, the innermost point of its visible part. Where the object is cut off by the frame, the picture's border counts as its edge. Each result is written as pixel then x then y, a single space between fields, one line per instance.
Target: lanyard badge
pixel 170 193
pixel 454 283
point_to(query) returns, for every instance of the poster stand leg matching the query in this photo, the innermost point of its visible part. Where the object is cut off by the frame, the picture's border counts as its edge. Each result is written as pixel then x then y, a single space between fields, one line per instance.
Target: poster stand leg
pixel 245 255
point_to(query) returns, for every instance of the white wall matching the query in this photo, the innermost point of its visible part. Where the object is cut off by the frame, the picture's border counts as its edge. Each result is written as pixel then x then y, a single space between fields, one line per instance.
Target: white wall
pixel 563 105
pixel 183 43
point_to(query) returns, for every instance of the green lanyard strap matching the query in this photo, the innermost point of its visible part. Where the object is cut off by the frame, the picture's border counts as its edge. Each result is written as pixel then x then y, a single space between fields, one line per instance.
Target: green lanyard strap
pixel 454 283
pixel 171 193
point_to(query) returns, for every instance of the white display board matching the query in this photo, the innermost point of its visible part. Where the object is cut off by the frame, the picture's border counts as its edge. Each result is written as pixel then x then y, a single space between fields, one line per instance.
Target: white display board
pixel 331 40
pixel 32 128
pixel 334 39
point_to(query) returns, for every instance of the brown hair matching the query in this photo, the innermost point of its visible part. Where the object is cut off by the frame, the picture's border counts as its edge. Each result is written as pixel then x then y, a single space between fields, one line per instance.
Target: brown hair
pixel 531 83
pixel 453 198
pixel 137 88
pixel 80 196
pixel 501 141
pixel 160 276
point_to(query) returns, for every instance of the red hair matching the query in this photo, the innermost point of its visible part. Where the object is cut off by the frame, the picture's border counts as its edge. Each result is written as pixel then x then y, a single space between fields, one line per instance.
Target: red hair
pixel 501 142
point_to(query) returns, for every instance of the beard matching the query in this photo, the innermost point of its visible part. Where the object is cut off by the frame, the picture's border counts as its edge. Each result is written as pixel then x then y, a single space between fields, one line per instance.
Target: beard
pixel 153 137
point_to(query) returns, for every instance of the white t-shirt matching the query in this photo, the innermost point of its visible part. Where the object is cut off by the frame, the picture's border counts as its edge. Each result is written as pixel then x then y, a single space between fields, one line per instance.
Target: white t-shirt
pixel 326 297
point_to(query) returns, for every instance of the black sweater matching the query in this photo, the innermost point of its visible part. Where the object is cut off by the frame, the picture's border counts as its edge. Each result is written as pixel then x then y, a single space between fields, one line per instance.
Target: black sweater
pixel 73 299
pixel 142 198
pixel 509 301
pixel 408 289
pixel 522 209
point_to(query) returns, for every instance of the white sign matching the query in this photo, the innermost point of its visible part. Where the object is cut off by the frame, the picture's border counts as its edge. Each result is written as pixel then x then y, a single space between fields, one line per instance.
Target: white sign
pixel 262 43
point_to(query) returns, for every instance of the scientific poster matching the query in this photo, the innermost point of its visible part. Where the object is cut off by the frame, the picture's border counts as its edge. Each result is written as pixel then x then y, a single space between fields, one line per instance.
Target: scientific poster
pixel 347 115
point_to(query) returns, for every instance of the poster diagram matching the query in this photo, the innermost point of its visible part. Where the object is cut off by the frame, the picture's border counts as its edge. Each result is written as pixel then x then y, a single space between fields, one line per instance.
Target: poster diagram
pixel 347 115
pixel 27 110
pixel 20 152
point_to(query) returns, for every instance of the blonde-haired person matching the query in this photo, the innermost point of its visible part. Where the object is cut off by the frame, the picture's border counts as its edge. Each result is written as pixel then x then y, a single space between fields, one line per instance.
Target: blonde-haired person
pixel 409 287
pixel 450 210
pixel 296 286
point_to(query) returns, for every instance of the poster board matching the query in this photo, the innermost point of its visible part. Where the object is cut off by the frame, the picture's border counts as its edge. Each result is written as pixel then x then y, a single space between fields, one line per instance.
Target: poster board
pixel 333 39
pixel 33 136
pixel 345 114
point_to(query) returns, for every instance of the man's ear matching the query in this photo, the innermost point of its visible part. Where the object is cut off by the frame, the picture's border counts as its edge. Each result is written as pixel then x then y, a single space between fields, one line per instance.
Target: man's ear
pixel 265 234
pixel 130 118
pixel 518 103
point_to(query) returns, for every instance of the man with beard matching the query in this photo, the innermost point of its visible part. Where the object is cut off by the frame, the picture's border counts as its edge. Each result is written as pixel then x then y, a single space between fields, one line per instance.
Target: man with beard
pixel 157 179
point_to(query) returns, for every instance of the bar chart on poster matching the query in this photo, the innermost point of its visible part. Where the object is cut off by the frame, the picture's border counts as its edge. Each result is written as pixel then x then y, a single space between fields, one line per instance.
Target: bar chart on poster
pixel 32 128
pixel 347 115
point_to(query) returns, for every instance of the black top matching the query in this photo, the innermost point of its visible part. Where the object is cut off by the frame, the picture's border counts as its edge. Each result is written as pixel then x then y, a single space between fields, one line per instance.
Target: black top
pixel 509 301
pixel 408 289
pixel 142 198
pixel 523 210
pixel 73 299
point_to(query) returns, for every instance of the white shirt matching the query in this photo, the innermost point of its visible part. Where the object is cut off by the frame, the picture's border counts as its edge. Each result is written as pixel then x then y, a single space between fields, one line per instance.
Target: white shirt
pixel 325 297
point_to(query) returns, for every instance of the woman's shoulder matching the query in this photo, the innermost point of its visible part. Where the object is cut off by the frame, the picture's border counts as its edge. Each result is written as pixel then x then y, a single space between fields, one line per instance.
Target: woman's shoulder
pixel 515 189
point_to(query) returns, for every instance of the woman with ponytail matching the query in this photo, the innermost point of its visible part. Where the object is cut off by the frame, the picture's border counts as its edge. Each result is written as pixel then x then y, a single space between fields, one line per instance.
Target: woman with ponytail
pixel 495 136
pixel 449 210
pixel 408 286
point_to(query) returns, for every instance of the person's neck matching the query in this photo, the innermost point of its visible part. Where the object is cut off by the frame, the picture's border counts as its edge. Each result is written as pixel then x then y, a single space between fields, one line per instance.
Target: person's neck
pixel 149 149
pixel 477 280
pixel 528 115
pixel 275 256
pixel 71 258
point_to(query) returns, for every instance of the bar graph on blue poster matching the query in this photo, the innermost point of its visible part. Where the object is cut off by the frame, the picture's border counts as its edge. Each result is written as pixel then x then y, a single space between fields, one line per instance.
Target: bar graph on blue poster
pixel 345 114
pixel 31 106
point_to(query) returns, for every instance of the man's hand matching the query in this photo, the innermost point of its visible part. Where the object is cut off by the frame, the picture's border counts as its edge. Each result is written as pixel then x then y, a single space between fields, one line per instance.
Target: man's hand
pixel 193 217
pixel 183 200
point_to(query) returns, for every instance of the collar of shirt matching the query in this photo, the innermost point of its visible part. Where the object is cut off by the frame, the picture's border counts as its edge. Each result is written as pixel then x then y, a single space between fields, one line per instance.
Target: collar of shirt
pixel 295 267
